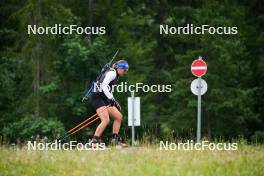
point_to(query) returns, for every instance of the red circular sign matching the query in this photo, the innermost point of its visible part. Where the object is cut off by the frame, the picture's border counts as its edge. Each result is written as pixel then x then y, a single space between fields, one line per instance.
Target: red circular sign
pixel 198 67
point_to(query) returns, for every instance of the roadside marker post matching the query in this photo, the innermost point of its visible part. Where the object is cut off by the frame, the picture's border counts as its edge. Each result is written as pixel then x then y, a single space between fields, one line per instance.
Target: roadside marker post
pixel 133 114
pixel 199 87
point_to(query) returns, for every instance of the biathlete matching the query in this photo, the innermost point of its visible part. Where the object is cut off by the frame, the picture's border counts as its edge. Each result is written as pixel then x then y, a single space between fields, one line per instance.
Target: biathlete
pixel 103 101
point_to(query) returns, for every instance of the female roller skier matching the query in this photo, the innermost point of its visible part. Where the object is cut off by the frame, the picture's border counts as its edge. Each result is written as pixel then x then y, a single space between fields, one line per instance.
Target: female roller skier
pixel 105 104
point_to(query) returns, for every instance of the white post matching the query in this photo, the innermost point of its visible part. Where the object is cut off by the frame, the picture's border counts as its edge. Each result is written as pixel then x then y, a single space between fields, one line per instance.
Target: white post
pixel 199 112
pixel 133 117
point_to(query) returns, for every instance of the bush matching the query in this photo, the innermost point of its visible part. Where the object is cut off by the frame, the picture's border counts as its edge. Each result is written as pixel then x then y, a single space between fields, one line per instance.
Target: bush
pixel 28 126
pixel 258 137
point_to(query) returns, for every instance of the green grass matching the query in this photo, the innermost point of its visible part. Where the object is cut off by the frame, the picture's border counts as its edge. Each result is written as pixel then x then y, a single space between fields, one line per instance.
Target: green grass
pixel 247 160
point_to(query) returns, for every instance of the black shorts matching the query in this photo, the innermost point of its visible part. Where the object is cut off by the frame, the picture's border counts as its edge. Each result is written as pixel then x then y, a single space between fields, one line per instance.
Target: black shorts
pixel 97 100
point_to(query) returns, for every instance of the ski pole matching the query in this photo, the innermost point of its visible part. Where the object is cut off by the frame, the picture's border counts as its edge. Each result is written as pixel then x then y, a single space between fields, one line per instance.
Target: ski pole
pixel 81 125
pixel 72 129
pixel 85 125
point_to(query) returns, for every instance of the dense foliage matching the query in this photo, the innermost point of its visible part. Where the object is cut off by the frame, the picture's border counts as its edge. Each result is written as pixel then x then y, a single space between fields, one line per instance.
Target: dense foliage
pixel 43 77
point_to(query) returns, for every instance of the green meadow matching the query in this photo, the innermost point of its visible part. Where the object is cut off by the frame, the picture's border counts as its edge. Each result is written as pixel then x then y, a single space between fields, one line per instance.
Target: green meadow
pixel 148 160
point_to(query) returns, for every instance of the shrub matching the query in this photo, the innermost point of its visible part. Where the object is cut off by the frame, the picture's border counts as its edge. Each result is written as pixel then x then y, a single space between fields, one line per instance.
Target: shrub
pixel 258 137
pixel 29 127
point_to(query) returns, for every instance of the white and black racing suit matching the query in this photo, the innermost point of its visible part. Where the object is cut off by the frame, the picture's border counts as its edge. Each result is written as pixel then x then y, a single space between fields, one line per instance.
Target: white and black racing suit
pixel 103 95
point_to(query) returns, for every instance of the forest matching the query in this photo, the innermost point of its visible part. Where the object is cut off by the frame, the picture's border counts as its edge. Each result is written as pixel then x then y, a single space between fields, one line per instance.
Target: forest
pixel 43 77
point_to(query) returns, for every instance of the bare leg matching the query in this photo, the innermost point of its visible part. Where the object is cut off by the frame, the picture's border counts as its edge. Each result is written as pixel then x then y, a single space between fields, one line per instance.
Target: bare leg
pixel 104 116
pixel 117 116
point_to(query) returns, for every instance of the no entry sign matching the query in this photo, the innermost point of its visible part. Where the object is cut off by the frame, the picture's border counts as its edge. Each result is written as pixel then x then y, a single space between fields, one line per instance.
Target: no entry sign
pixel 198 67
pixel 199 87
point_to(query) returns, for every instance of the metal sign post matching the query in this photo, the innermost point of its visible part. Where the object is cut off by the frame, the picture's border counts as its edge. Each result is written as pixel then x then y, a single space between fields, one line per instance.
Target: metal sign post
pixel 199 87
pixel 133 117
pixel 199 112
pixel 133 114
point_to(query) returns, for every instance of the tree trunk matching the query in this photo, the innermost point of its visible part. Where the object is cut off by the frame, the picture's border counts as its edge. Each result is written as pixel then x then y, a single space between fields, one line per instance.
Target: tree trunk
pixel 36 57
pixel 90 19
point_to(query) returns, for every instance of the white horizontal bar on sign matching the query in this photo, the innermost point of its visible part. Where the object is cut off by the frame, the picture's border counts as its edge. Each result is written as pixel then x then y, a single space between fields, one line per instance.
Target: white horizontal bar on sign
pixel 199 68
